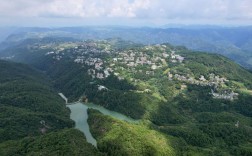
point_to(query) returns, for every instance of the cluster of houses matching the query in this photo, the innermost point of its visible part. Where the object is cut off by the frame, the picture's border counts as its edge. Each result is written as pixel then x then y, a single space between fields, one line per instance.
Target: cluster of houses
pixel 213 80
pixel 96 62
pixel 87 53
pixel 228 95
pixel 134 59
pixel 96 68
pixel 176 58
pixel 100 74
pixel 78 50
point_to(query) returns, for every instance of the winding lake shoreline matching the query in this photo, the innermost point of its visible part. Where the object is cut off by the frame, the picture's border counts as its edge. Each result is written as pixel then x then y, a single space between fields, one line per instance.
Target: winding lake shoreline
pixel 79 115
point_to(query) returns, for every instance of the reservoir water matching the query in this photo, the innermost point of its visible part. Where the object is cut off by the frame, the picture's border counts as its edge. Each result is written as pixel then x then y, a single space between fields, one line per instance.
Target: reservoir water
pixel 79 115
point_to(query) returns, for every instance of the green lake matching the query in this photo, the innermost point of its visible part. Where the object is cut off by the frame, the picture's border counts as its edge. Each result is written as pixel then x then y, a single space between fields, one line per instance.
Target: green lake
pixel 79 115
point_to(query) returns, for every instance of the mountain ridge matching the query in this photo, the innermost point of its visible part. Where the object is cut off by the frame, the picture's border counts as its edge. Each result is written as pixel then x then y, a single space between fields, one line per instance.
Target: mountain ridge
pixel 233 42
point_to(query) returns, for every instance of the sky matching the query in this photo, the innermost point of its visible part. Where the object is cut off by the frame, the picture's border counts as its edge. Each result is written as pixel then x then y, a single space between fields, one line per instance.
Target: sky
pixel 124 12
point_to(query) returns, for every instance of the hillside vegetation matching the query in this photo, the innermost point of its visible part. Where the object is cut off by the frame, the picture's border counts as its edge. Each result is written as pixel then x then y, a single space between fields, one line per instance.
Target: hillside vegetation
pixel 32 116
pixel 193 102
pixel 64 142
pixel 121 138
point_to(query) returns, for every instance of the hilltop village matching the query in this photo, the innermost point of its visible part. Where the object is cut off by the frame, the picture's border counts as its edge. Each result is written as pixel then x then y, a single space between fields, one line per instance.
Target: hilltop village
pixel 103 60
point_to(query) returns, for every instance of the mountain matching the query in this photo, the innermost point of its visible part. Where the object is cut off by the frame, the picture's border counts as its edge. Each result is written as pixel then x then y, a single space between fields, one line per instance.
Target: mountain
pixel 34 119
pixel 188 102
pixel 5 32
pixel 232 42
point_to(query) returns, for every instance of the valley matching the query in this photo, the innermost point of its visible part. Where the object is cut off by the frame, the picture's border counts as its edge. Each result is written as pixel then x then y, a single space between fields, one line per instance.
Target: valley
pixel 185 100
pixel 126 78
pixel 34 119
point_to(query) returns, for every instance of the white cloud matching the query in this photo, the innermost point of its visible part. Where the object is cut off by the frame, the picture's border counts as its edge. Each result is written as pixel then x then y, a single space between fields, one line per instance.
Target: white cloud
pixel 124 8
pixel 135 9
pixel 72 8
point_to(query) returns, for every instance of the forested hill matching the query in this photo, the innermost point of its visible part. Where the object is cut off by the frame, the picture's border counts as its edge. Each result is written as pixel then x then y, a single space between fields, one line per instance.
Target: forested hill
pixel 200 103
pixel 32 113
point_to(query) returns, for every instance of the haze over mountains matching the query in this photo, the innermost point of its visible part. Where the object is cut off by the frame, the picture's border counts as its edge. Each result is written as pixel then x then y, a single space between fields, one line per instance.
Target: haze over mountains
pixel 232 42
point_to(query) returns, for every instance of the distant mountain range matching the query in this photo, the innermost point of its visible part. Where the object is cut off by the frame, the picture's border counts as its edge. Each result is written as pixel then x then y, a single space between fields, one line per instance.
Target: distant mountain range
pixel 233 42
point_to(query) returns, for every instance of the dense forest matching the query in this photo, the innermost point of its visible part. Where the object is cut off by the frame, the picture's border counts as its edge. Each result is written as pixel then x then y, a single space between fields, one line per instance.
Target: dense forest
pixel 63 142
pixel 33 116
